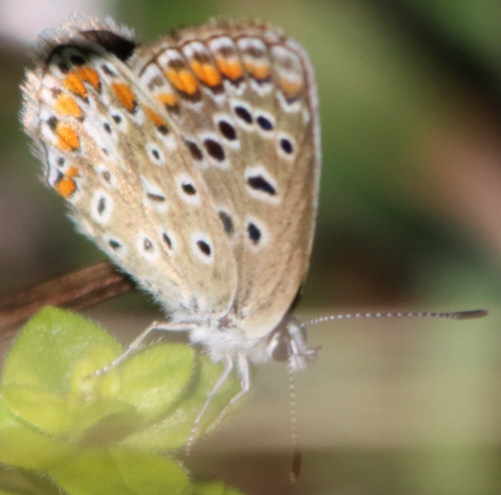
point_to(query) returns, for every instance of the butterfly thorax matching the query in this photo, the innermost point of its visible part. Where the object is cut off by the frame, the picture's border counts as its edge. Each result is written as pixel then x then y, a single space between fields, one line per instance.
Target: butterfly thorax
pixel 227 336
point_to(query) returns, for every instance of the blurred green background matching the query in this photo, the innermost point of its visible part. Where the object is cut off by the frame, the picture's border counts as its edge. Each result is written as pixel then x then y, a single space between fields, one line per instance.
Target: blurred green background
pixel 410 218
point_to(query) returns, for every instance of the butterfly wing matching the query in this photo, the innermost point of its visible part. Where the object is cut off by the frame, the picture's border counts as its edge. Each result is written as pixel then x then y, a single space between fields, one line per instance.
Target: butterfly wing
pixel 114 153
pixel 245 97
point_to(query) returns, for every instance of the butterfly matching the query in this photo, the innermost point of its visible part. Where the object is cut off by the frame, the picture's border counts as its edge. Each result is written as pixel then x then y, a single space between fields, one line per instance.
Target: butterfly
pixel 194 164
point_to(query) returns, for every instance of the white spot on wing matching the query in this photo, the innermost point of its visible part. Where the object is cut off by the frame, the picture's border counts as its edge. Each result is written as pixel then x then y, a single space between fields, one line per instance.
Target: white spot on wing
pixel 155 154
pixel 187 189
pixel 147 248
pixel 264 236
pixel 153 194
pixel 262 195
pixel 101 207
pixel 199 243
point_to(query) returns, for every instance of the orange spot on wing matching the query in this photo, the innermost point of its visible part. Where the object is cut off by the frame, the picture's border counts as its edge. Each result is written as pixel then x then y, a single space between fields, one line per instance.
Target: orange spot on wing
pixel 66 105
pixel 290 88
pixel 183 80
pixel 74 84
pixel 206 72
pixel 89 75
pixel 260 71
pixel 232 69
pixel 157 120
pixel 72 172
pixel 166 99
pixel 66 186
pixel 125 96
pixel 67 138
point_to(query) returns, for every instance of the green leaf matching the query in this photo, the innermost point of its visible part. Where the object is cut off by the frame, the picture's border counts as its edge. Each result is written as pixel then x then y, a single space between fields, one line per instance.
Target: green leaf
pixel 117 471
pixel 27 448
pixel 24 482
pixel 174 430
pixel 149 402
pixel 106 421
pixel 210 487
pixel 48 412
pixel 51 344
pixel 154 379
pixel 7 417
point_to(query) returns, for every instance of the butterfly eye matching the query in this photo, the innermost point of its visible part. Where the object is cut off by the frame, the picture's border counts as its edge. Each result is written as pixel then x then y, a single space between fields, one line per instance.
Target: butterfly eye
pixel 279 345
pixel 280 352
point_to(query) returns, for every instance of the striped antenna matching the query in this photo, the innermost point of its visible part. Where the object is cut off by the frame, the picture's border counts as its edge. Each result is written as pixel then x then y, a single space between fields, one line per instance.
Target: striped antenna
pixel 296 452
pixel 457 315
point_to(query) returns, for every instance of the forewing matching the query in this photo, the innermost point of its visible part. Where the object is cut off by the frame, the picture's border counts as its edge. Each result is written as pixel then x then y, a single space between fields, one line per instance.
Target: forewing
pixel 121 162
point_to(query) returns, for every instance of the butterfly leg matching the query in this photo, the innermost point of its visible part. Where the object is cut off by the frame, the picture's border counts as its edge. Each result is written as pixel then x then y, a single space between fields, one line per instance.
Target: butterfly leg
pixel 243 370
pixel 138 341
pixel 228 367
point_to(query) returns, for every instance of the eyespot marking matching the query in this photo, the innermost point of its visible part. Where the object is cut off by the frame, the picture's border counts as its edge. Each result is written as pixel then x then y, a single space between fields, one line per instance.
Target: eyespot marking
pixel 195 151
pixel 187 189
pixel 147 248
pixel 257 233
pixel 101 207
pixel 286 145
pixel 227 221
pixel 168 241
pixel 214 149
pixel 105 175
pixel 114 244
pixel 243 114
pixel 155 154
pixel 254 232
pixel 154 195
pixel 261 185
pixel 227 130
pixel 204 248
pixel 201 246
pixel 264 123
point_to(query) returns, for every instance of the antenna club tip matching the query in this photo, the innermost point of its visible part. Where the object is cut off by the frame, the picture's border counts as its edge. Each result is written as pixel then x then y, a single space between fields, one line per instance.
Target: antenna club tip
pixel 296 465
pixel 469 315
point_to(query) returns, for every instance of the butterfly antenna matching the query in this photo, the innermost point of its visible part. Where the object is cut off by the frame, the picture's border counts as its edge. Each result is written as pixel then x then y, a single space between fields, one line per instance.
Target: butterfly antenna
pixel 296 452
pixel 457 315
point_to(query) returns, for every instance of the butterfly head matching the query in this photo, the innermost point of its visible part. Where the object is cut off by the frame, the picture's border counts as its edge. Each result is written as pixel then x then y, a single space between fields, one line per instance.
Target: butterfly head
pixel 288 342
